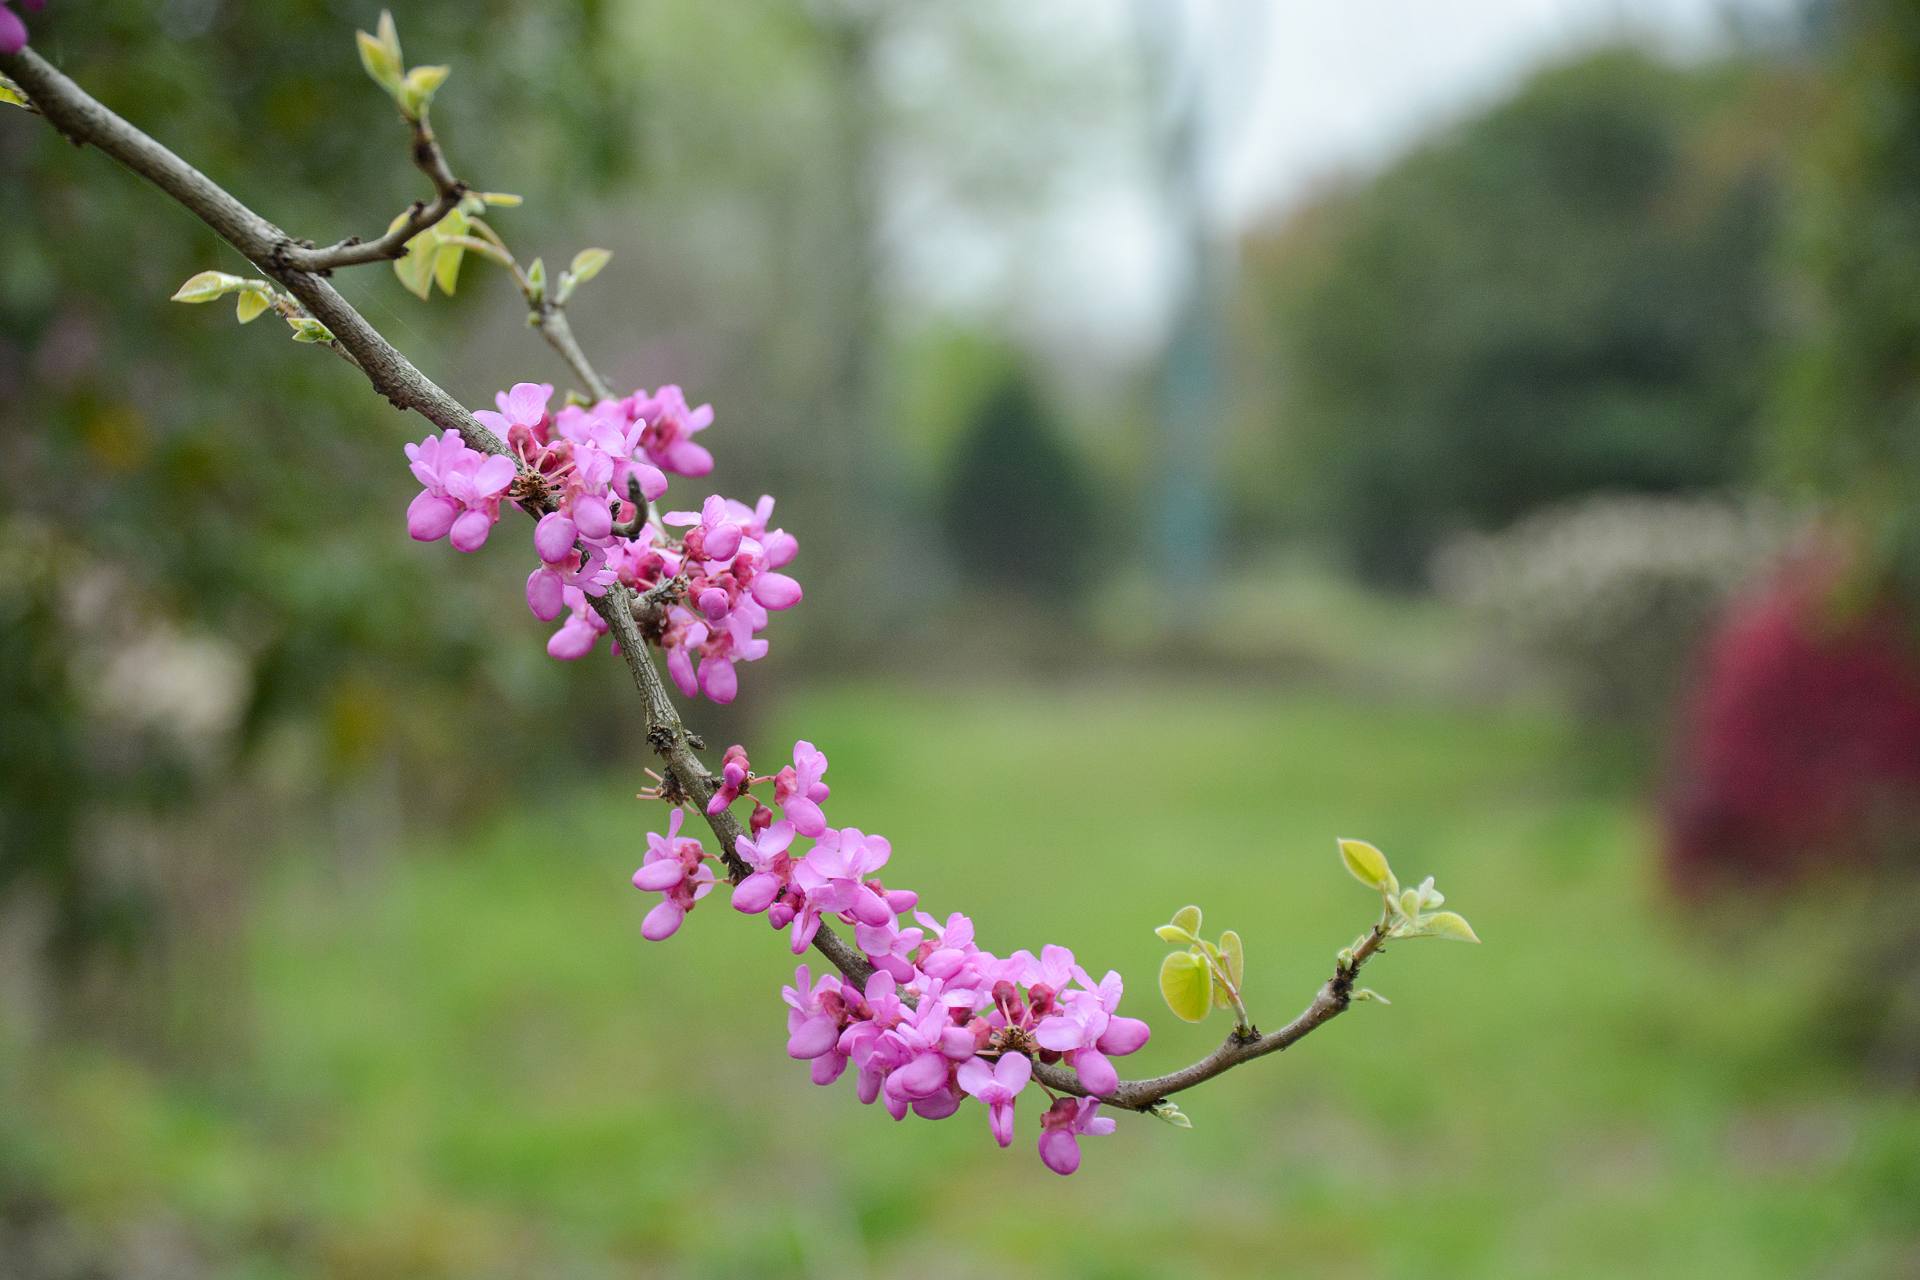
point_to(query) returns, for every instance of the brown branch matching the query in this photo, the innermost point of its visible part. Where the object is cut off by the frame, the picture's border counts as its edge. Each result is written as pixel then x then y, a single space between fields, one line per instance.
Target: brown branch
pixel 448 191
pixel 1328 1003
pixel 86 121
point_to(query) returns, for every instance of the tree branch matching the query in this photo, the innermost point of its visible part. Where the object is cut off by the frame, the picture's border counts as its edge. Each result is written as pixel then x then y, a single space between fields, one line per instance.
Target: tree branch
pixel 353 251
pixel 299 269
pixel 1329 1003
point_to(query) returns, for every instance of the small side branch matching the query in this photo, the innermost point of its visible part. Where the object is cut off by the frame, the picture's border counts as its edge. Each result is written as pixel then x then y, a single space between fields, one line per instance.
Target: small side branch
pixel 353 251
pixel 1328 1003
pixel 551 320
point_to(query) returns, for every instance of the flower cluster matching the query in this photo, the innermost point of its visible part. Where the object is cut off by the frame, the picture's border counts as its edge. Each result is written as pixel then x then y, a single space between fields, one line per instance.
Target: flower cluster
pixel 940 1020
pixel 600 467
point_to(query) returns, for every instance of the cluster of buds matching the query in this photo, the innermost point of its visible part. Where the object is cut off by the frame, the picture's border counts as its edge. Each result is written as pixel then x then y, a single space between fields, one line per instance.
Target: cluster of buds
pixel 940 1020
pixel 600 468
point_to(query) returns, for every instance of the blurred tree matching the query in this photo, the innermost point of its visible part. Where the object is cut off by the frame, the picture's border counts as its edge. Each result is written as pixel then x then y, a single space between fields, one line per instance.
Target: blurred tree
pixel 1015 507
pixel 236 499
pixel 1567 293
pixel 1848 423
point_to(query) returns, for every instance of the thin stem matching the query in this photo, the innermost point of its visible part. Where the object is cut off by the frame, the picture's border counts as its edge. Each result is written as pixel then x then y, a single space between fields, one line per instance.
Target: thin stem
pixel 550 318
pixel 448 191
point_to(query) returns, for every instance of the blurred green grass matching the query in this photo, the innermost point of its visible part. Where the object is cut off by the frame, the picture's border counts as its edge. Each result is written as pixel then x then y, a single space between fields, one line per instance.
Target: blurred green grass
pixel 468 1063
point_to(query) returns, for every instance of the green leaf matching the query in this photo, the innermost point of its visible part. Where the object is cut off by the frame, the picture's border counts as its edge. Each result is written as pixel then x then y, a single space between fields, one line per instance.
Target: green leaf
pixel 1186 984
pixel 448 252
pixel 1188 918
pixel 587 264
pixel 12 93
pixel 251 303
pixel 307 329
pixel 1369 866
pixel 1234 956
pixel 1448 924
pixel 1174 933
pixel 1166 1110
pixel 382 63
pixel 501 199
pixel 1368 993
pixel 537 279
pixel 207 286
pixel 389 35
pixel 421 85
pixel 415 266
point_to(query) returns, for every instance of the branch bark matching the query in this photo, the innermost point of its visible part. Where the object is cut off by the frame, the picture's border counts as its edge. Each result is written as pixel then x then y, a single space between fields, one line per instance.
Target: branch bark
pixel 300 270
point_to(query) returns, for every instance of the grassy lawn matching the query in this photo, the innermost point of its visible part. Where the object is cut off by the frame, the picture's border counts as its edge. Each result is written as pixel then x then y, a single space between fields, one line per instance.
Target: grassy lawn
pixel 474 1066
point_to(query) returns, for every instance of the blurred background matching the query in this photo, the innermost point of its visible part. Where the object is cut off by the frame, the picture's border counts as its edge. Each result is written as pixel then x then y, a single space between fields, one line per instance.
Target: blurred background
pixel 1490 429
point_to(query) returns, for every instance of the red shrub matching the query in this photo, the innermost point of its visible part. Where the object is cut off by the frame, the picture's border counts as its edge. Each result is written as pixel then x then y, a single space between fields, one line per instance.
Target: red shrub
pixel 1800 742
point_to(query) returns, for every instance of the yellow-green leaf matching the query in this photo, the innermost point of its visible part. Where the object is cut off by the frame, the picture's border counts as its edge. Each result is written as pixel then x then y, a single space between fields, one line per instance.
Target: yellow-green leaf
pixel 501 199
pixel 251 303
pixel 381 63
pixel 1187 918
pixel 425 80
pixel 1369 866
pixel 587 264
pixel 1449 924
pixel 1173 933
pixel 1234 956
pixel 415 267
pixel 446 261
pixel 307 329
pixel 1186 984
pixel 11 93
pixel 206 286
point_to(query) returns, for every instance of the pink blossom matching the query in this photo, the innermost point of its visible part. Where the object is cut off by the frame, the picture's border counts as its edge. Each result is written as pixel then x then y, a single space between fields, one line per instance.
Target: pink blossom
pixel 676 868
pixel 668 430
pixel 834 872
pixel 799 790
pixel 772 868
pixel 815 1016
pixel 576 636
pixel 460 491
pixel 997 1085
pixel 1060 1128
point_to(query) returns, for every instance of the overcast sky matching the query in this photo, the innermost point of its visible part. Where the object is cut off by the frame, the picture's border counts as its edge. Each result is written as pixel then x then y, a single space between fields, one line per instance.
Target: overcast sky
pixel 1298 90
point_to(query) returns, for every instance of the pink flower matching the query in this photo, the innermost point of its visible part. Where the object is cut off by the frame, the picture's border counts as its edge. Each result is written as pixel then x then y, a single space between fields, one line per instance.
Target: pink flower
pixel 772 869
pixel 576 636
pixel 461 490
pixel 997 1085
pixel 668 430
pixel 833 875
pixel 1085 1031
pixel 799 791
pixel 736 775
pixel 814 1016
pixel 1060 1128
pixel 676 868
pixel 950 946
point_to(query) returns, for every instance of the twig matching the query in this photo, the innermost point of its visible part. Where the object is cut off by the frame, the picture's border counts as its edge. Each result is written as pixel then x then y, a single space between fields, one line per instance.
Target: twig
pixel 353 251
pixel 84 120
pixel 550 318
